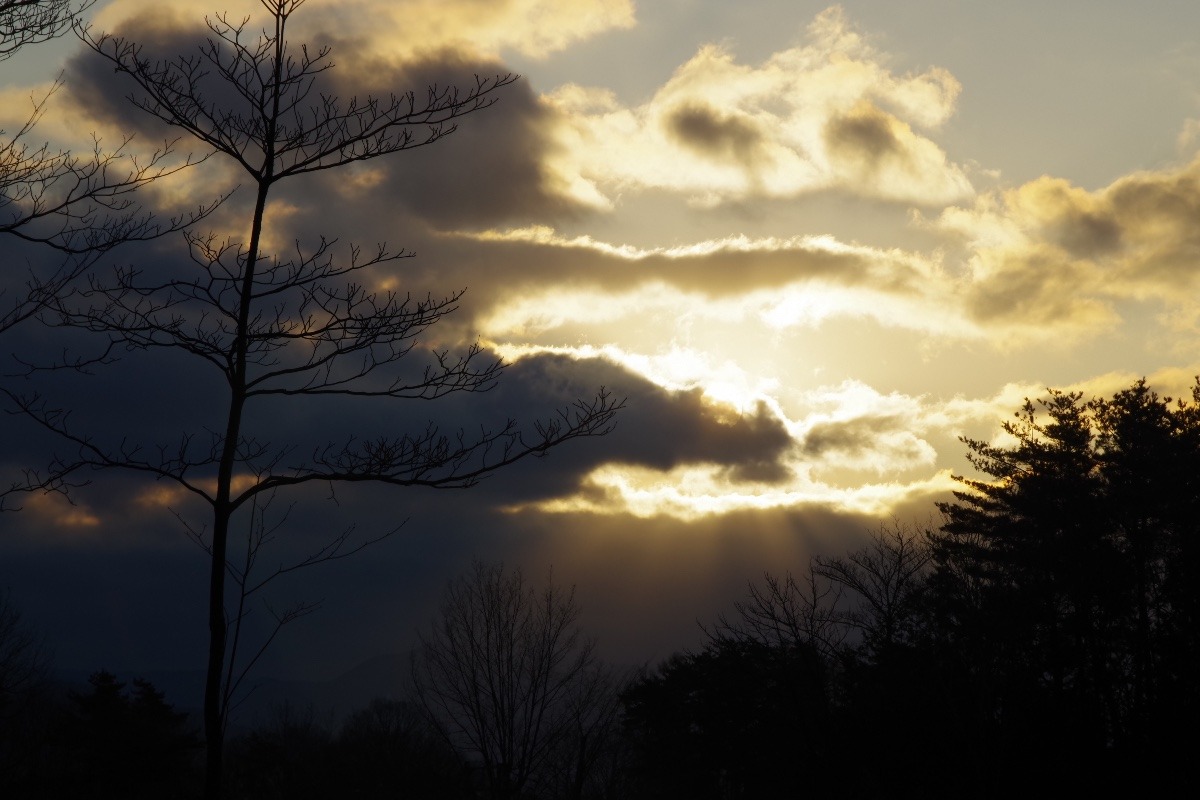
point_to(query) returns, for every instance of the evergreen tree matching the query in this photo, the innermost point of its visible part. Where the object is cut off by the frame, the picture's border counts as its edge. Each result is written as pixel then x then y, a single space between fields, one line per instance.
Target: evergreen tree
pixel 115 743
pixel 1063 579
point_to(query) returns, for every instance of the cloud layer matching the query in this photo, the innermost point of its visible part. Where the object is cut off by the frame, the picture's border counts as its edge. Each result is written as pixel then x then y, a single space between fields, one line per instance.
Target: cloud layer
pixel 826 114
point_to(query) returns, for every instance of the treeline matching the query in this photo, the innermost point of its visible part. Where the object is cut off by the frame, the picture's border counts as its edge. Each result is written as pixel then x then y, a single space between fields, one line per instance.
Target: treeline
pixel 1041 640
pixel 111 740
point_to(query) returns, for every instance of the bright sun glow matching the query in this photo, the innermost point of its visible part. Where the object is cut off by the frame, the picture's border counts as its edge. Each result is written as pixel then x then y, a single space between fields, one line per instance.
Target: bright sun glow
pixel 693 492
pixel 723 382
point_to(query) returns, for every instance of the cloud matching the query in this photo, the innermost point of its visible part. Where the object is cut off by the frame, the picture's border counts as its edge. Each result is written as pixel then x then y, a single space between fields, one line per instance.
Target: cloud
pixel 567 290
pixel 870 147
pixel 692 493
pixel 867 442
pixel 661 428
pixel 682 453
pixel 825 114
pixel 404 28
pixel 1050 259
pixel 491 170
pixel 716 134
pixel 716 267
pixel 536 28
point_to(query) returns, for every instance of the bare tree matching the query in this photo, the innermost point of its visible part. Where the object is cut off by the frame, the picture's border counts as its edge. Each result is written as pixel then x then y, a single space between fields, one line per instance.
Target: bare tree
pixel 78 205
pixel 591 760
pixel 245 568
pixel 24 22
pixel 26 710
pixel 886 576
pixel 783 612
pixel 870 596
pixel 23 658
pixel 511 681
pixel 284 328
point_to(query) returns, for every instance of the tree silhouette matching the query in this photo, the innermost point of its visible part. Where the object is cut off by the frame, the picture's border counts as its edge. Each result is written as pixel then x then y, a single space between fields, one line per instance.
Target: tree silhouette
pixel 117 743
pixel 288 756
pixel 738 719
pixel 1059 579
pixel 832 658
pixel 386 749
pixel 510 680
pixel 883 583
pixel 78 205
pixel 23 658
pixel 24 667
pixel 280 329
pixel 389 747
pixel 25 22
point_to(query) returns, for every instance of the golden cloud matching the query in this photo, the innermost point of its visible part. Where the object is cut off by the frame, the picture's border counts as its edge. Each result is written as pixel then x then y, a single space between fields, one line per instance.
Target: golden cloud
pixel 60 514
pixel 690 493
pixel 763 286
pixel 1050 259
pixel 406 28
pixel 826 114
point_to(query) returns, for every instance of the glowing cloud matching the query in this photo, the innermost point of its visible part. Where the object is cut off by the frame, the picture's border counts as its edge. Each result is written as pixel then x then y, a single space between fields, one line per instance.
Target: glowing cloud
pixel 826 114
pixel 58 513
pixel 780 284
pixel 690 493
pixel 403 28
pixel 1051 259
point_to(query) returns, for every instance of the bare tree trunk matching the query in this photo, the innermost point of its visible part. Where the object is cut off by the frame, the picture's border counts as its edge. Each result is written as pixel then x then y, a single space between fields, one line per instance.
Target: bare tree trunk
pixel 214 723
pixel 214 711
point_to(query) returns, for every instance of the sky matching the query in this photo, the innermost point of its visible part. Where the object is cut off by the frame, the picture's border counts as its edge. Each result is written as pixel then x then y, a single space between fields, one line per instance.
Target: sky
pixel 812 246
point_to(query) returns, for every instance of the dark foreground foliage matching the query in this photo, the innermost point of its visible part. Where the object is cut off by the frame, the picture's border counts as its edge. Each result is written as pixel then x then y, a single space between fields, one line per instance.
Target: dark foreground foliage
pixel 109 741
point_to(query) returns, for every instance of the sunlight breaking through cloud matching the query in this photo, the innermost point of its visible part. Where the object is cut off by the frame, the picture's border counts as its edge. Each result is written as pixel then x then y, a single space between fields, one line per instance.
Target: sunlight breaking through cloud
pixel 693 492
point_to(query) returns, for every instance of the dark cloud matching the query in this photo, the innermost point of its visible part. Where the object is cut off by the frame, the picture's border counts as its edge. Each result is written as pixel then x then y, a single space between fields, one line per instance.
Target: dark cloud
pixel 157 402
pixel 850 437
pixel 507 268
pixel 1157 213
pixel 1037 286
pixel 491 169
pixel 659 429
pixel 879 443
pixel 1082 252
pixel 111 96
pixel 863 136
pixel 665 428
pixel 1087 235
pixel 145 580
pixel 715 134
pixel 1154 199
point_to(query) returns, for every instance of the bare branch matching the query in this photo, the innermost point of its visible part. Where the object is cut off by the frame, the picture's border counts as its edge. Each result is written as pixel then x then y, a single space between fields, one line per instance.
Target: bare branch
pixel 887 577
pixel 26 22
pixel 507 677
pixel 80 205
